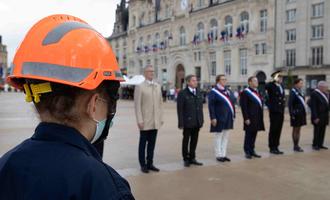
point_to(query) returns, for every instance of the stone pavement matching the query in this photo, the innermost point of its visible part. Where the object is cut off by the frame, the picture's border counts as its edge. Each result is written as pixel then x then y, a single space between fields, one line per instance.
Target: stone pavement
pixel 291 176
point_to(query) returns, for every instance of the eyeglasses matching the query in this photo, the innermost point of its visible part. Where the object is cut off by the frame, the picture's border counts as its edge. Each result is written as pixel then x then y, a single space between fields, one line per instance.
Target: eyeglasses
pixel 112 105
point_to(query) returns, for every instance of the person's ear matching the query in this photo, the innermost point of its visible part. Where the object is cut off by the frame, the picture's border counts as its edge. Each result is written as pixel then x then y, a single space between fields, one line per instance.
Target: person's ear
pixel 91 106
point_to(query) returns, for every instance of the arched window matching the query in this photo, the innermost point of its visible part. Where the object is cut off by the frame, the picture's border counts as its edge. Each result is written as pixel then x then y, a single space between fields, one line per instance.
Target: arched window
pixel 244 21
pixel 214 29
pixel 166 38
pixel 229 25
pixel 182 36
pixel 157 39
pixel 200 31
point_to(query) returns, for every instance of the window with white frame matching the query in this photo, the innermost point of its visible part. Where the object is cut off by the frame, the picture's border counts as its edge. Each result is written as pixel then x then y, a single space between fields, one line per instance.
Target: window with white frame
pixel 156 67
pixel 182 36
pixel 318 10
pixel 244 22
pixel 229 25
pixel 317 55
pixel 291 15
pixel 264 48
pixel 257 49
pixel 317 31
pixel 290 57
pixel 166 35
pixel 141 42
pixel 243 61
pixel 167 11
pixel 200 31
pixel 214 29
pixel 227 62
pixel 213 63
pixel 291 35
pixel 157 40
pixel 200 3
pixel 133 46
pixel 263 21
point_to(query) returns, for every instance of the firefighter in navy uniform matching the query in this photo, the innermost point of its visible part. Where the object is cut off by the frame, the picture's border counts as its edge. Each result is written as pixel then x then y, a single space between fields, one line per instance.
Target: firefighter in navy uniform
pixel 70 73
pixel 276 105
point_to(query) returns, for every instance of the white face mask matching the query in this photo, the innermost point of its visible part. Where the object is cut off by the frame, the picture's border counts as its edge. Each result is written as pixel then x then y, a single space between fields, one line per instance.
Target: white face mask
pixel 99 129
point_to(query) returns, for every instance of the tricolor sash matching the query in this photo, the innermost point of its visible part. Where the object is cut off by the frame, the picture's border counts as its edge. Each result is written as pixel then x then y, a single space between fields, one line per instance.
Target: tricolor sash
pixel 226 99
pixel 254 96
pixel 323 95
pixel 300 98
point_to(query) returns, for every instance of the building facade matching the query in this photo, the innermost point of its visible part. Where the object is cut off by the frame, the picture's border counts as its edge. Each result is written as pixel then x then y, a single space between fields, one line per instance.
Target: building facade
pixel 3 62
pixel 201 37
pixel 303 39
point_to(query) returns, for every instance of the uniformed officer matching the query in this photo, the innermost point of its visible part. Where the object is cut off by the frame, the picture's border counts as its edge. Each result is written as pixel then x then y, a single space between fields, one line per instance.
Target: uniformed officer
pixel 70 73
pixel 276 104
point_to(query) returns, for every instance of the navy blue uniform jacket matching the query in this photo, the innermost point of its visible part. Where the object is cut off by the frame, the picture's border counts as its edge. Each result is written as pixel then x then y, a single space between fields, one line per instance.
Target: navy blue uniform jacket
pixel 253 111
pixel 219 110
pixel 57 162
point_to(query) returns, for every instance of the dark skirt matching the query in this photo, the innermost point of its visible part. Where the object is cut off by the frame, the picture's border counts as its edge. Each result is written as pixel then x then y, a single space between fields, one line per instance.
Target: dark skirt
pixel 298 120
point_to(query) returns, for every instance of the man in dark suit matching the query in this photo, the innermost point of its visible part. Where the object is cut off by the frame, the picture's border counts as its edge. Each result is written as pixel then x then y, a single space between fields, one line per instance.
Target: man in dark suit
pixel 252 109
pixel 319 104
pixel 276 104
pixel 190 116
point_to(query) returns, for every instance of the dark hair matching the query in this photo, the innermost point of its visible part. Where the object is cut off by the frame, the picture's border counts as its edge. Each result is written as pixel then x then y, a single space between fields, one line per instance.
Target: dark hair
pixel 250 78
pixel 296 81
pixel 61 103
pixel 189 77
pixel 217 78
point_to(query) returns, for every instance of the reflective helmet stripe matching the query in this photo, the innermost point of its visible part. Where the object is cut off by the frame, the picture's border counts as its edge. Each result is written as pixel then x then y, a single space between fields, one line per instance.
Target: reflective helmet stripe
pixel 59 31
pixel 65 73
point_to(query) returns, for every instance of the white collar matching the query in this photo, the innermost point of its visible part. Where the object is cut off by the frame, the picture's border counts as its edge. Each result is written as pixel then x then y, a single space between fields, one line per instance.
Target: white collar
pixel 220 87
pixel 192 89
pixel 150 82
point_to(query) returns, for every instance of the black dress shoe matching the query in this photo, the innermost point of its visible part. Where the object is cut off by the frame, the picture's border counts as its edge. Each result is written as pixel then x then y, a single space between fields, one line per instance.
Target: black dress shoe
pixel 256 155
pixel 323 147
pixel 221 159
pixel 279 152
pixel 299 149
pixel 144 169
pixel 227 159
pixel 195 162
pixel 186 163
pixel 248 156
pixel 153 168
pixel 316 148
pixel 274 152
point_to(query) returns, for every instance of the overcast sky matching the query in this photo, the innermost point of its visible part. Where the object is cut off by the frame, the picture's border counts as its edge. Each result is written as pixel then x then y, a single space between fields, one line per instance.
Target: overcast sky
pixel 17 16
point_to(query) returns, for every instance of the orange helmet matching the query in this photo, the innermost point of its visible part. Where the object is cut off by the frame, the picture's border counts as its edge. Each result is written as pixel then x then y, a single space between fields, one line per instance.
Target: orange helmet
pixel 66 50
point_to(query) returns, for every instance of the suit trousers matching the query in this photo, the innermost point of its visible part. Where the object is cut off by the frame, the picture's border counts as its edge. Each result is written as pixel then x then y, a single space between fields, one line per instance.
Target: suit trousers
pixel 190 139
pixel 275 129
pixel 249 142
pixel 147 142
pixel 221 143
pixel 319 134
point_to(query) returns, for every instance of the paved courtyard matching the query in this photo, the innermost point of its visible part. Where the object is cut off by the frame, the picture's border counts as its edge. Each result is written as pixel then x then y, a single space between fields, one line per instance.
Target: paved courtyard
pixel 290 176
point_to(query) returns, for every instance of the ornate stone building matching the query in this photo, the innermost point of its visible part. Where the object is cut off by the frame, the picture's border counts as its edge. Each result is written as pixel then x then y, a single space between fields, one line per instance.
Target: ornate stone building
pixel 303 39
pixel 3 61
pixel 202 37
